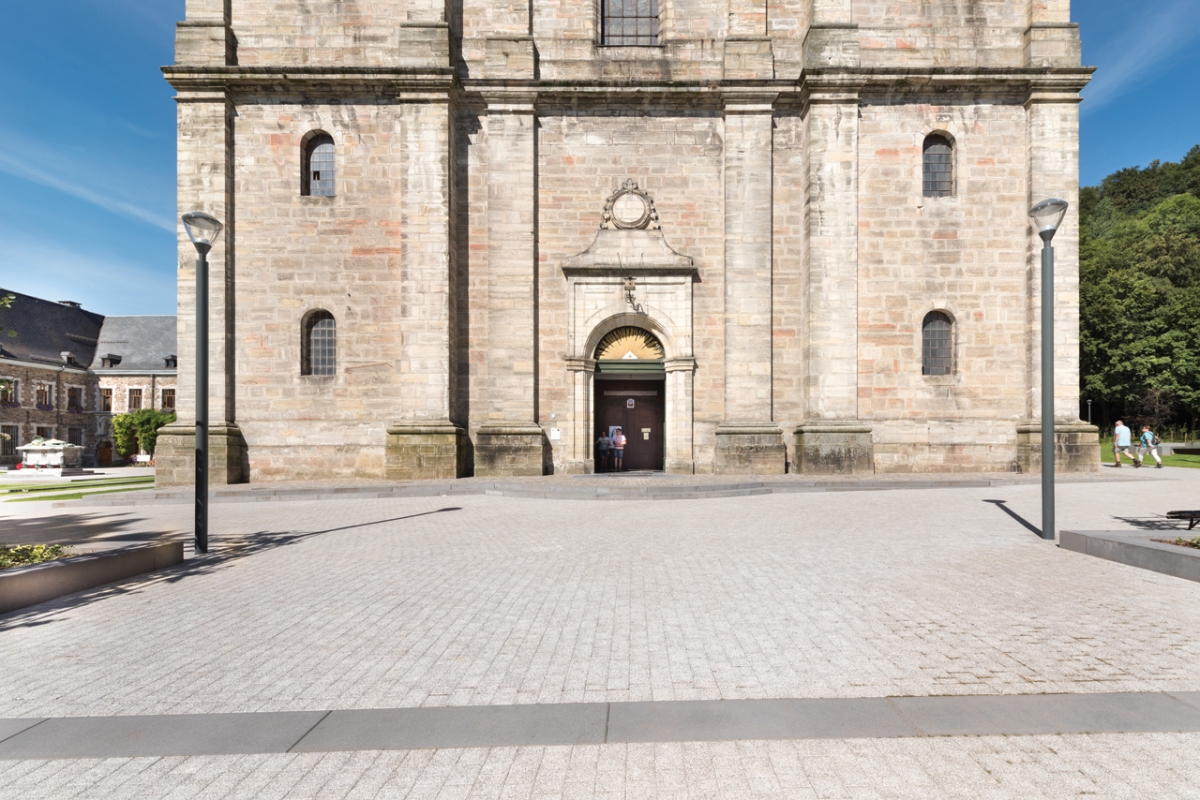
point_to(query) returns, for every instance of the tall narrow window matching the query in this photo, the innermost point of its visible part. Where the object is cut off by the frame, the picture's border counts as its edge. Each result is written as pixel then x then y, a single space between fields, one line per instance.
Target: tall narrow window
pixel 630 22
pixel 10 440
pixel 135 399
pixel 168 399
pixel 8 394
pixel 319 345
pixel 106 399
pixel 75 400
pixel 938 166
pixel 319 167
pixel 937 344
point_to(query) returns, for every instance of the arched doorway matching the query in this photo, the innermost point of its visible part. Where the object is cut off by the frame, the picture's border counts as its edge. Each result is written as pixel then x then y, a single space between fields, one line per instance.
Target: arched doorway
pixel 630 393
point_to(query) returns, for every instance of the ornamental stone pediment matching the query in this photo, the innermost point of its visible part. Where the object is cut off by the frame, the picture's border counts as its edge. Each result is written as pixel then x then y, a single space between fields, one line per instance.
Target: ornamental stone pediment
pixel 630 240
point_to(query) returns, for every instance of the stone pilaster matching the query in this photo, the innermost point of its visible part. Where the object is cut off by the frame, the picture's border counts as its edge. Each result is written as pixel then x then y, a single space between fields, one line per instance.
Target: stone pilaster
pixel 1053 160
pixel 582 458
pixel 205 38
pixel 424 443
pixel 205 183
pixel 748 441
pixel 832 37
pixel 681 373
pixel 510 442
pixel 832 439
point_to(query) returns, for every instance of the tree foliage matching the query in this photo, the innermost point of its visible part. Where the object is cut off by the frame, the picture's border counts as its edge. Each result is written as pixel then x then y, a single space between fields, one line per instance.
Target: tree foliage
pixel 1140 293
pixel 138 430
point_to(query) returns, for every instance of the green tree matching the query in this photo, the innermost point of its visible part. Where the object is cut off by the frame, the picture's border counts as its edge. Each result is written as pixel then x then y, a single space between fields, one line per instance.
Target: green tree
pixel 1140 292
pixel 139 430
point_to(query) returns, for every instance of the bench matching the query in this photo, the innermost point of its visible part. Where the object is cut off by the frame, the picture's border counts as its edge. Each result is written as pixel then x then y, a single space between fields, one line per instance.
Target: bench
pixel 1191 516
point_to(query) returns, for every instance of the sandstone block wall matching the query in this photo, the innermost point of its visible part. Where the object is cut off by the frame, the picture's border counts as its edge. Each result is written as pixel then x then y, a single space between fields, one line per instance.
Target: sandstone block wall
pixel 476 143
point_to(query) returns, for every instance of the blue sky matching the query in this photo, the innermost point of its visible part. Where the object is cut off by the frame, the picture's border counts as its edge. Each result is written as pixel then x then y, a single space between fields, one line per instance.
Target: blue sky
pixel 87 171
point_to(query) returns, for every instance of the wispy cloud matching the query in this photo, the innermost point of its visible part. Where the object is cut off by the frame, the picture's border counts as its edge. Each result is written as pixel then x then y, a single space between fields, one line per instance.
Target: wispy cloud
pixel 104 284
pixel 1133 56
pixel 23 169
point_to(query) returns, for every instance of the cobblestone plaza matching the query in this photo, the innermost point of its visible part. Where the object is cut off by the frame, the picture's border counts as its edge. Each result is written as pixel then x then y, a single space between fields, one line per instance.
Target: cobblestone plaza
pixel 480 602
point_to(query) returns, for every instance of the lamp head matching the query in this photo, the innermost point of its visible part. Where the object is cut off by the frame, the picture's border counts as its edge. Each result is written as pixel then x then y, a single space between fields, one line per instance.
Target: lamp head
pixel 203 229
pixel 1048 215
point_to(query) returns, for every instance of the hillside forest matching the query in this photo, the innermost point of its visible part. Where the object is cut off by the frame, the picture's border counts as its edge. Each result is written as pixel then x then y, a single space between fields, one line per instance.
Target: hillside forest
pixel 1139 274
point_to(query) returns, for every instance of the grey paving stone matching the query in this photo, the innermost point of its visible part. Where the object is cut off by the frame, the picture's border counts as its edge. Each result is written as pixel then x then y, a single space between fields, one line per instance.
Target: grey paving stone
pixel 165 735
pixel 11 727
pixel 718 720
pixel 1048 714
pixel 471 726
pixel 1191 698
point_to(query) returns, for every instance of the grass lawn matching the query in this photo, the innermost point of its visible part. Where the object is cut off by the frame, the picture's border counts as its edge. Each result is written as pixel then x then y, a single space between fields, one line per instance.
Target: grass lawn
pixel 1106 456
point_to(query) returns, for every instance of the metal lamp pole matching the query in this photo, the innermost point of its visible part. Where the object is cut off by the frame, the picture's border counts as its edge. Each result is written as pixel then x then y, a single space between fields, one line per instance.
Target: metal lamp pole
pixel 203 230
pixel 1048 215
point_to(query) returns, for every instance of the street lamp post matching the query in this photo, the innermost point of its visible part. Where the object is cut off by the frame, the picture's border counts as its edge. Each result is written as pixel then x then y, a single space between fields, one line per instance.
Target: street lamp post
pixel 1048 215
pixel 203 230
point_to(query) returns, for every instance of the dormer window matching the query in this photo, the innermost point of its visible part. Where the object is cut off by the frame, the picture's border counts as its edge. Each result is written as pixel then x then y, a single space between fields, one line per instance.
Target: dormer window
pixel 172 362
pixel 110 360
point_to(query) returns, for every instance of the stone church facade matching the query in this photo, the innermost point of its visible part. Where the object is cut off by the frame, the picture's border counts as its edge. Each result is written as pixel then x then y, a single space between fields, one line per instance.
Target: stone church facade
pixel 467 237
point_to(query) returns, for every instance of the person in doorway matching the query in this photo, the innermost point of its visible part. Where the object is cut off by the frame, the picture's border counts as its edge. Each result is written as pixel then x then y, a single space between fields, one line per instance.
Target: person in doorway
pixel 603 446
pixel 618 443
pixel 1121 443
pixel 1148 441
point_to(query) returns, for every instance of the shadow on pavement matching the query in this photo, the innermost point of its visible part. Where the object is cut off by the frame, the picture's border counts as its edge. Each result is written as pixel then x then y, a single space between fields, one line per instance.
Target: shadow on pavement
pixel 1000 504
pixel 222 556
pixel 1154 523
pixel 77 529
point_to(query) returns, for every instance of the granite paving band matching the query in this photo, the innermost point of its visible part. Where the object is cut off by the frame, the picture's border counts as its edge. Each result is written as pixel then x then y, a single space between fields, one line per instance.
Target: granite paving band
pixel 596 723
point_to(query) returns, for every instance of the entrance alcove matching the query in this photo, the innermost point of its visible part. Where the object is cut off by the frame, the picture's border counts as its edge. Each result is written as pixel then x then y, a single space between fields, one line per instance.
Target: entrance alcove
pixel 631 289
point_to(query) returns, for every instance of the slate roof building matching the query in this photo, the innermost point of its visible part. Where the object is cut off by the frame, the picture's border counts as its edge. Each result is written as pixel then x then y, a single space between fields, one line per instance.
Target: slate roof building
pixel 467 238
pixel 67 371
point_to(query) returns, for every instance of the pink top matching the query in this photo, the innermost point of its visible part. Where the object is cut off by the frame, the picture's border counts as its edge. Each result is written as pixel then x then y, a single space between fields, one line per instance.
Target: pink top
pixel 619 441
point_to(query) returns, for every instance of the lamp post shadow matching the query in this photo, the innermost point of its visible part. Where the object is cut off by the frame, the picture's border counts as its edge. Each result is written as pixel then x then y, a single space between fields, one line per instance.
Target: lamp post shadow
pixel 1000 504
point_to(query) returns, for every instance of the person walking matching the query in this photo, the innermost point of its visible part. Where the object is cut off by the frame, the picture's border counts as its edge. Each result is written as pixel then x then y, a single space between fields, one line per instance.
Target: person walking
pixel 1148 441
pixel 1121 443
pixel 603 446
pixel 618 442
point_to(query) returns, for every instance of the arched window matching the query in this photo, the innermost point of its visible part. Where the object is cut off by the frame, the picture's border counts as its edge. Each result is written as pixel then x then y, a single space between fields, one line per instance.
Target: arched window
pixel 938 166
pixel 937 344
pixel 630 22
pixel 318 344
pixel 319 170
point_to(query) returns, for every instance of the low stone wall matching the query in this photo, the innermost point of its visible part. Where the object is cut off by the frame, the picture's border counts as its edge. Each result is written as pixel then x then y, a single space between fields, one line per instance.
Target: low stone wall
pixel 26 586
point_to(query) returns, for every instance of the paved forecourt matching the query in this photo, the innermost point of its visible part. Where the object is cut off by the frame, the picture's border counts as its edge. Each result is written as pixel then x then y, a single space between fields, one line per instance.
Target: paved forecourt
pixel 431 603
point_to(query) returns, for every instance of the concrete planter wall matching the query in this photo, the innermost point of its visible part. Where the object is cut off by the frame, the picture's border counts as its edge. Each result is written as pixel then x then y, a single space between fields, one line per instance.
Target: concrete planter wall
pixel 26 586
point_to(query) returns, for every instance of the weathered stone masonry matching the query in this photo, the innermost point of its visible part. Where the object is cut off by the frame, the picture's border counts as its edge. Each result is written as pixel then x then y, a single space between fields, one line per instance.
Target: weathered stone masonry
pixel 789 265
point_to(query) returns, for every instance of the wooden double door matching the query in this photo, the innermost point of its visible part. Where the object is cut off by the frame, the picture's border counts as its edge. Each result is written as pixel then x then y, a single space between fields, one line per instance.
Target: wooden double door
pixel 638 407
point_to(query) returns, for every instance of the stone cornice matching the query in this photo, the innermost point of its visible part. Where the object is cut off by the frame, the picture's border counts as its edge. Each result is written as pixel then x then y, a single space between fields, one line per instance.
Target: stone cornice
pixel 829 84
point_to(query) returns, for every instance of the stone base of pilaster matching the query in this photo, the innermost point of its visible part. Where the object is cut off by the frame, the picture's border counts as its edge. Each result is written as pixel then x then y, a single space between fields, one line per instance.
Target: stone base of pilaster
pixel 835 449
pixel 504 451
pixel 425 451
pixel 1076 447
pixel 747 449
pixel 680 466
pixel 175 456
pixel 576 467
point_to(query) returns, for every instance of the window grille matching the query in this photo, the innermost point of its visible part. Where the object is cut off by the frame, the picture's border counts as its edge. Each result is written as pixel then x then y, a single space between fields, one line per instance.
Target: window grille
pixel 319 167
pixel 10 441
pixel 75 436
pixel 630 22
pixel 106 399
pixel 135 399
pixel 320 344
pixel 938 169
pixel 168 399
pixel 937 345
